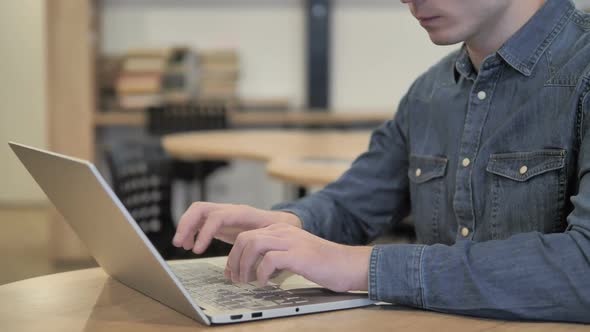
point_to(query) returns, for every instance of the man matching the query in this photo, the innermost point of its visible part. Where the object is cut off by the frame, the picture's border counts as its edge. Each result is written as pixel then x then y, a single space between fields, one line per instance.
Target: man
pixel 485 151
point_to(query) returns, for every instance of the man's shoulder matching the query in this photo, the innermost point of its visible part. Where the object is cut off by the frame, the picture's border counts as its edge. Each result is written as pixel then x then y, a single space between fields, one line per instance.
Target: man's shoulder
pixel 569 54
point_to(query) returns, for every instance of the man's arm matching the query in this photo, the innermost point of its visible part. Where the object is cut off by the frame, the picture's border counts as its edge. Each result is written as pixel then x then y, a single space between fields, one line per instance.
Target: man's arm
pixel 367 199
pixel 355 209
pixel 527 276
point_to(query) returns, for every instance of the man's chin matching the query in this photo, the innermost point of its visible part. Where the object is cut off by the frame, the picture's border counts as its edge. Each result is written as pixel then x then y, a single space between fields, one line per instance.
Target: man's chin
pixel 442 39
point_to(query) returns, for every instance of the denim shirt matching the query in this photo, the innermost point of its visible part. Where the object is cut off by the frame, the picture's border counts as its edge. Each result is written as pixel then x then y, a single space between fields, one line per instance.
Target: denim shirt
pixel 493 166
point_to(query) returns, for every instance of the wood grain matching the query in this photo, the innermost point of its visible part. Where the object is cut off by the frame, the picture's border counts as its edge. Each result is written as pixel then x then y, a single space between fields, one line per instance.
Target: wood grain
pixel 88 300
pixel 264 145
pixel 71 100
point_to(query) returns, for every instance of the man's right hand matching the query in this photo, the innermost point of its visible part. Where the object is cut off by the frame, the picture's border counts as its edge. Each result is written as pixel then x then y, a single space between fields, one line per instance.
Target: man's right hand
pixel 224 222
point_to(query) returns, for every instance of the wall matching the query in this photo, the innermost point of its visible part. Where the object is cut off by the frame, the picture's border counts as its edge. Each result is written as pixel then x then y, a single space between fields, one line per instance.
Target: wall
pixel 267 34
pixel 378 48
pixel 22 93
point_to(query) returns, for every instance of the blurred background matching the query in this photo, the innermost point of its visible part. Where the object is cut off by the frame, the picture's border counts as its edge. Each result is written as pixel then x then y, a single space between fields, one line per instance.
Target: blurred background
pixel 103 79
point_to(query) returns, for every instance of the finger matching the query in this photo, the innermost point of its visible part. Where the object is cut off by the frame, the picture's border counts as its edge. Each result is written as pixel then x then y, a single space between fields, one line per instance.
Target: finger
pixel 271 262
pixel 212 224
pixel 234 257
pixel 190 222
pixel 255 250
pixel 227 273
pixel 244 239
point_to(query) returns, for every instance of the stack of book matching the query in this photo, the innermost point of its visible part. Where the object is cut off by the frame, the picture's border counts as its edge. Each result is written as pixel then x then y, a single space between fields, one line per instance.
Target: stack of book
pixel 109 67
pixel 218 75
pixel 151 76
pixel 179 82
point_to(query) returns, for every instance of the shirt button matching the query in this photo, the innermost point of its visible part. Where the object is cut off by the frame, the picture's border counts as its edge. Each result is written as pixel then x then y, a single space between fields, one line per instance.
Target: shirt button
pixel 418 172
pixel 465 231
pixel 482 95
pixel 523 169
pixel 466 162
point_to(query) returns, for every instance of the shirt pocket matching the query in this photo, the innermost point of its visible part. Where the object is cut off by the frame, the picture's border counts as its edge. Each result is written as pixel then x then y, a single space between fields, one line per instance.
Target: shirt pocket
pixel 527 192
pixel 426 175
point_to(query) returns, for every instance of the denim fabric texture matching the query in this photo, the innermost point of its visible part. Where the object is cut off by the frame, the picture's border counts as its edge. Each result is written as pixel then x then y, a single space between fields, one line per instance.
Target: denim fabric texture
pixel 493 166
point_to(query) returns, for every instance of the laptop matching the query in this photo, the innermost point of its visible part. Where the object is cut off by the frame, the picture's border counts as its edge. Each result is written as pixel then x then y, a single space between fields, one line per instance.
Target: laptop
pixel 195 288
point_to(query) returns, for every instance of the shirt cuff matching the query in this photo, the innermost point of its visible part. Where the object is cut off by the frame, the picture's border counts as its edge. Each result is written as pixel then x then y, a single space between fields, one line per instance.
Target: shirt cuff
pixel 395 274
pixel 302 214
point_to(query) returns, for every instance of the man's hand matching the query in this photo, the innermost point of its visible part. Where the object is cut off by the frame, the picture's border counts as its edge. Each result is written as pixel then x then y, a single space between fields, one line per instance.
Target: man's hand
pixel 258 253
pixel 224 222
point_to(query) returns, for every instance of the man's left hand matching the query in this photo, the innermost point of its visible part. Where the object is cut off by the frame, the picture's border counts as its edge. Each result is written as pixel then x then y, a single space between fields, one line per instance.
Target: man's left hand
pixel 257 254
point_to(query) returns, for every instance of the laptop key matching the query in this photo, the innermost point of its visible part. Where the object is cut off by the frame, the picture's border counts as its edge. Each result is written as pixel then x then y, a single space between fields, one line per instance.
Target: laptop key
pixel 209 286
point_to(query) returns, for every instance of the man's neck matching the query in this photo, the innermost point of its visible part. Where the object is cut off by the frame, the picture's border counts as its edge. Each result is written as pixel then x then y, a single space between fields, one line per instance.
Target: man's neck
pixel 493 35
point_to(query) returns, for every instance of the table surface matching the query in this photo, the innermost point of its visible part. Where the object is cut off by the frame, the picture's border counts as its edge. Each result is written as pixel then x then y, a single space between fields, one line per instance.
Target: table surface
pixel 300 157
pixel 306 171
pixel 264 145
pixel 89 300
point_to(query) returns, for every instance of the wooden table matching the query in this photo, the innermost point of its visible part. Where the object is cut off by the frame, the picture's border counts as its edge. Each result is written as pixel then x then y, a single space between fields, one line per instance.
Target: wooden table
pixel 265 145
pixel 308 171
pixel 88 300
pixel 300 157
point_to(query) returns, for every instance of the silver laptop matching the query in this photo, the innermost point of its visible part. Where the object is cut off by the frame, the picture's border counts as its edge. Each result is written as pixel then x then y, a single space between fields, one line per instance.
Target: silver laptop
pixel 195 288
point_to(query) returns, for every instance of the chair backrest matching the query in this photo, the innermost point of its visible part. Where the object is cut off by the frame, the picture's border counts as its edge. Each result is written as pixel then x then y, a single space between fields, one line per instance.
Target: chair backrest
pixel 173 118
pixel 141 178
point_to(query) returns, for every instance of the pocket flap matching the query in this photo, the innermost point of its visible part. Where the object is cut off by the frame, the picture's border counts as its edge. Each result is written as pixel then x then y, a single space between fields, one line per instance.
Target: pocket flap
pixel 521 166
pixel 425 168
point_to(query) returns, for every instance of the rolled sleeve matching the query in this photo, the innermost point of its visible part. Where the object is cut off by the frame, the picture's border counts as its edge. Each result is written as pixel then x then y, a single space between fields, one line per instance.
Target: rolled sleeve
pixel 301 213
pixel 370 197
pixel 395 274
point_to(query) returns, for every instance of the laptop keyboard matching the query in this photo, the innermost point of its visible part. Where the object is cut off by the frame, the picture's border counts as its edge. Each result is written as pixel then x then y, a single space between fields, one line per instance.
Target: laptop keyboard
pixel 206 284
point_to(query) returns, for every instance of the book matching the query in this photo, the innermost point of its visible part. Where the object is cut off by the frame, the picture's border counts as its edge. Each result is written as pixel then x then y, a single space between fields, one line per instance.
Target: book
pixel 218 56
pixel 145 65
pixel 219 72
pixel 138 102
pixel 139 83
pixel 179 80
pixel 164 52
pixel 217 92
pixel 151 76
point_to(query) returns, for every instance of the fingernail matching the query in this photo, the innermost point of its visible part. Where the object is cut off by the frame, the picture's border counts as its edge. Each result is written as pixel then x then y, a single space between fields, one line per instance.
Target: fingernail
pixel 197 248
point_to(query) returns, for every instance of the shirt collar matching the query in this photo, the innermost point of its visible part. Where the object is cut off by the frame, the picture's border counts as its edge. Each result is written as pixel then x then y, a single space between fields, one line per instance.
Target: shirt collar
pixel 523 50
pixel 463 66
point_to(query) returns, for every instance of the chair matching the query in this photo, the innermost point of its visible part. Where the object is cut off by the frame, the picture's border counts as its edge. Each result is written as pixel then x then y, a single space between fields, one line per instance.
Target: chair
pixel 175 118
pixel 141 175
